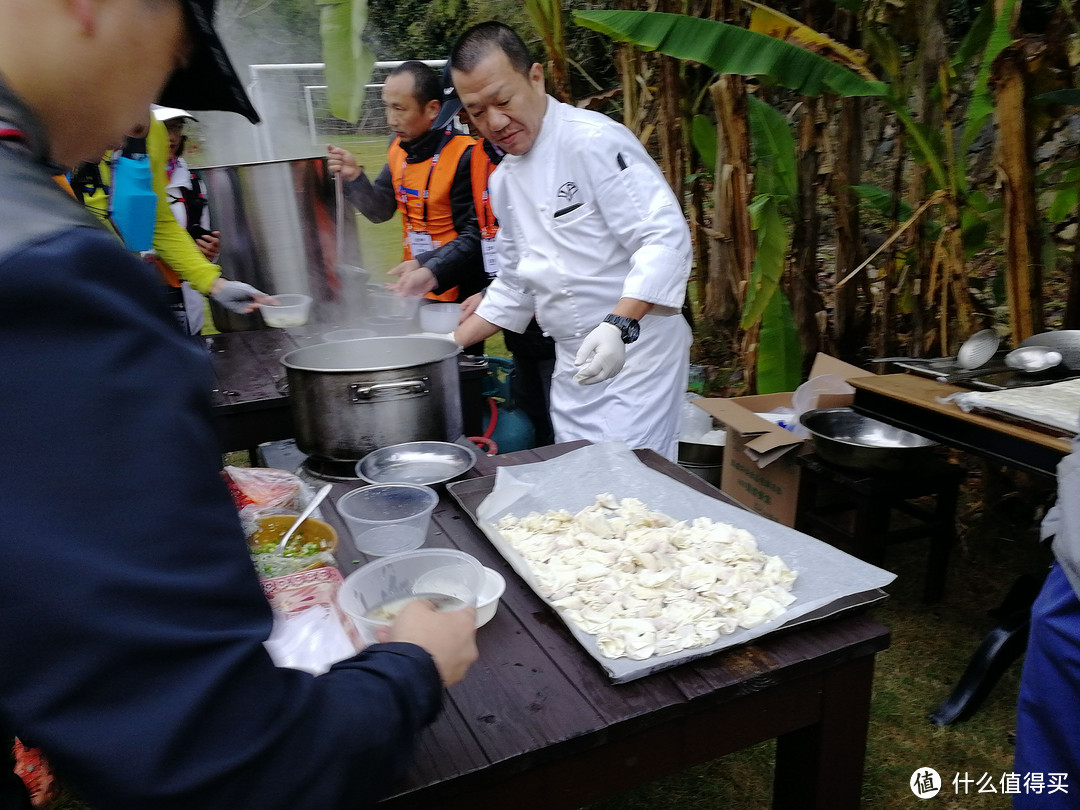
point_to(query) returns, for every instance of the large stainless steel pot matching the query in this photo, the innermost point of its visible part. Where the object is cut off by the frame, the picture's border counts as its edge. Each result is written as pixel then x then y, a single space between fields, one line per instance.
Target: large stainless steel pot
pixel 354 396
pixel 281 232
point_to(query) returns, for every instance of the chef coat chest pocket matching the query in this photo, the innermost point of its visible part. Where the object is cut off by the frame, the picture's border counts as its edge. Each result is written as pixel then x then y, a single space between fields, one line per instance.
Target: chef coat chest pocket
pixel 576 233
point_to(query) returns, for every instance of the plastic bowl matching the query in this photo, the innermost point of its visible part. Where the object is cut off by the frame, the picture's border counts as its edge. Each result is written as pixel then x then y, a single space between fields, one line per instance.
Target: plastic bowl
pixel 373 594
pixel 440 318
pixel 388 518
pixel 269 529
pixel 487 601
pixel 348 334
pixel 291 310
pixel 391 305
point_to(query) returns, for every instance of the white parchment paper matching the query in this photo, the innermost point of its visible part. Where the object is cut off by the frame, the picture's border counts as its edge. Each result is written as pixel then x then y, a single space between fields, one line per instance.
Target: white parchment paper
pixel 573 481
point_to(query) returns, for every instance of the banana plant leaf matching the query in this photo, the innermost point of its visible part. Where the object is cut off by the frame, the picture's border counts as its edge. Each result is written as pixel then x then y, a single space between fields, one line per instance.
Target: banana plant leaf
pixel 768 268
pixel 779 357
pixel 882 200
pixel 730 49
pixel 778 25
pixel 348 60
pixel 1068 96
pixel 703 136
pixel 975 39
pixel 774 150
pixel 982 99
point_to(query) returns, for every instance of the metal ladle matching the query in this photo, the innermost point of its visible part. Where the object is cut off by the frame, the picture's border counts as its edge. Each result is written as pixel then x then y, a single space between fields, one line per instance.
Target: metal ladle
pixel 322 493
pixel 978 349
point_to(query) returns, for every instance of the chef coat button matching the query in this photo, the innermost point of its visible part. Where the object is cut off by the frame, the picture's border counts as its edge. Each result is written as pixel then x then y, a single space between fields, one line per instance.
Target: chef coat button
pixel 564 291
pixel 543 208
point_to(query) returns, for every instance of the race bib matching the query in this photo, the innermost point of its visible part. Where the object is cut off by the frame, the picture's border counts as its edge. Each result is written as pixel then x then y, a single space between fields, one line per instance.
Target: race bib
pixel 491 258
pixel 420 243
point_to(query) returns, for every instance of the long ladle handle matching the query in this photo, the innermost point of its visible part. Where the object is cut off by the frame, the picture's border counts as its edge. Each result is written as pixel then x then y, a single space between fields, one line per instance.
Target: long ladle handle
pixel 322 493
pixel 339 215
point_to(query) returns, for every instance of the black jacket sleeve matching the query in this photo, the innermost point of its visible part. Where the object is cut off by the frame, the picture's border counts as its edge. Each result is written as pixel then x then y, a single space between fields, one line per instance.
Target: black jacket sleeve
pixel 131 634
pixel 376 201
pixel 459 263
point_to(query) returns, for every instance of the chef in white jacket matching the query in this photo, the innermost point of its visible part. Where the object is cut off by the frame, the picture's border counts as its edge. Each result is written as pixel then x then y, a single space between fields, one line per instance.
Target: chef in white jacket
pixel 591 239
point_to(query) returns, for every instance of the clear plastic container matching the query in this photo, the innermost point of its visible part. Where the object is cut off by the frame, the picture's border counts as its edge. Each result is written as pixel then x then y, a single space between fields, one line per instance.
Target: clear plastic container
pixel 388 518
pixel 439 317
pixel 374 594
pixel 387 304
pixel 291 310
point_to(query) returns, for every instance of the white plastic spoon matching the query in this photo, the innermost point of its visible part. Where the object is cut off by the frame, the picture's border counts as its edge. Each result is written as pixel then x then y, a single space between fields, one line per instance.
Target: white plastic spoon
pixel 322 493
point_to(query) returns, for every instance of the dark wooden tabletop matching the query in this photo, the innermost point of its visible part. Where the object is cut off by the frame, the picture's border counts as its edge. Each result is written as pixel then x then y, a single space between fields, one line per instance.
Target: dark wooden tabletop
pixel 538 724
pixel 250 396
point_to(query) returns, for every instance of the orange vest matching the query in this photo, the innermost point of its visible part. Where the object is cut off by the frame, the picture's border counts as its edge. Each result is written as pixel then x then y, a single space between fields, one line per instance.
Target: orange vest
pixel 423 195
pixel 480 168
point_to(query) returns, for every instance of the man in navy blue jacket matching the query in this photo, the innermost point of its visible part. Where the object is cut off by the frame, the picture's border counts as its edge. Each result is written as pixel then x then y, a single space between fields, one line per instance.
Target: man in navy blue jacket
pixel 132 622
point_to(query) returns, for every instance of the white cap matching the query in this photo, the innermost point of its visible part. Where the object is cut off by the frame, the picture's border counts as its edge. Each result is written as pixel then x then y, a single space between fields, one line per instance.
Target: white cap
pixel 169 113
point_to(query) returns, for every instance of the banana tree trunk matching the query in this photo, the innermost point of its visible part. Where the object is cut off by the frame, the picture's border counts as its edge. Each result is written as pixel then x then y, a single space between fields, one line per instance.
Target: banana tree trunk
pixel 672 126
pixel 805 297
pixel 932 56
pixel 850 322
pixel 849 325
pixel 732 253
pixel 1023 271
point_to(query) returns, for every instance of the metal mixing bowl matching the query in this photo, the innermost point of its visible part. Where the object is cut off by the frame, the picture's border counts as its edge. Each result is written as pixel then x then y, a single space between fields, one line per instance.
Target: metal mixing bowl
pixel 426 463
pixel 849 439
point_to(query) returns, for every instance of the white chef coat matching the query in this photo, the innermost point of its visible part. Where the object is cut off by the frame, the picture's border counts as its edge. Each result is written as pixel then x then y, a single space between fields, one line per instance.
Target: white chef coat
pixel 624 237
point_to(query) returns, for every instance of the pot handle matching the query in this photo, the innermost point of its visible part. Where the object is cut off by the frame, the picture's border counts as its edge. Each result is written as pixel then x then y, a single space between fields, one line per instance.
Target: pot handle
pixel 360 392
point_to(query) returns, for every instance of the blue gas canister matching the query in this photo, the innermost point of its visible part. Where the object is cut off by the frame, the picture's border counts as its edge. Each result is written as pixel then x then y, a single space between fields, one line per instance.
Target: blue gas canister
pixel 513 430
pixel 134 203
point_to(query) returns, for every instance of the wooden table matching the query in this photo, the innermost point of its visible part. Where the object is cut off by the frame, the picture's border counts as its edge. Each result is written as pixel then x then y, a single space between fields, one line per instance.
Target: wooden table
pixel 537 723
pixel 911 402
pixel 250 397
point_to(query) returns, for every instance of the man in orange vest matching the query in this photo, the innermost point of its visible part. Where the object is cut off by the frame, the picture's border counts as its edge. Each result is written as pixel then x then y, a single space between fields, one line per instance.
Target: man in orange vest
pixel 533 351
pixel 426 178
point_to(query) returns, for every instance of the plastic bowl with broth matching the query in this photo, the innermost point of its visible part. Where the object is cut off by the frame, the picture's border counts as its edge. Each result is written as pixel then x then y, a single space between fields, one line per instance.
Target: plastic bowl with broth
pixel 373 595
pixel 312 545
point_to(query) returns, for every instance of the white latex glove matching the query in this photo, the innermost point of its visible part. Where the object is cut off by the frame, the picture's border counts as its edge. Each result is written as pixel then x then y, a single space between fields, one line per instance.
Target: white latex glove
pixel 236 296
pixel 604 345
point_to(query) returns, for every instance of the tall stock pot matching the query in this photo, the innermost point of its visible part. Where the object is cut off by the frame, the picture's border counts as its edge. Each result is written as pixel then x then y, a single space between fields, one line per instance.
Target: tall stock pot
pixel 354 396
pixel 281 232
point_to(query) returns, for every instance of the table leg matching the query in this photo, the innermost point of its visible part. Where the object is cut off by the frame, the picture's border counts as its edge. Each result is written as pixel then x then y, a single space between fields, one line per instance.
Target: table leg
pixel 821 765
pixel 1002 645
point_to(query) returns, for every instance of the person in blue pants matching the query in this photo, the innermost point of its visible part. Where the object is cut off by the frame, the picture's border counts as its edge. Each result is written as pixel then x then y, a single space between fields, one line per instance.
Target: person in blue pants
pixel 1048 714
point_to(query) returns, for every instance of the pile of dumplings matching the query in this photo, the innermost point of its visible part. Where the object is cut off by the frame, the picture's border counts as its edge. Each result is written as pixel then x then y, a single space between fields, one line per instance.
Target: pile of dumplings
pixel 645 584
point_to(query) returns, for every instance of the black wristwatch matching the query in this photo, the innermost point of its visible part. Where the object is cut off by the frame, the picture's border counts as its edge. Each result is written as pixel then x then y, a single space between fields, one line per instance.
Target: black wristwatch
pixel 630 328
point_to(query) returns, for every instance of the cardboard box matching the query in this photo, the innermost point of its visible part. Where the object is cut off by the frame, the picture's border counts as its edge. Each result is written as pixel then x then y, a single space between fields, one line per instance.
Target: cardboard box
pixel 759 469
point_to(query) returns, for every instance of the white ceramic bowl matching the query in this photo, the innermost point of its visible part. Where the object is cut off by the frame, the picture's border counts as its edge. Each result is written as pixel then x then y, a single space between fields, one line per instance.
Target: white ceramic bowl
pixel 487 600
pixel 291 310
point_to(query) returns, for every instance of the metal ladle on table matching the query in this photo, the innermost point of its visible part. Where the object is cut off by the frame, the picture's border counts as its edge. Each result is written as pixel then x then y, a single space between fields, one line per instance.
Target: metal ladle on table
pixel 322 493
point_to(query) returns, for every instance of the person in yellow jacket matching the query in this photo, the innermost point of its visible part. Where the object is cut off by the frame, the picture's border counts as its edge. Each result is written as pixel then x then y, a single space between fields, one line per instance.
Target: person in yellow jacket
pixel 175 253
pixel 426 178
